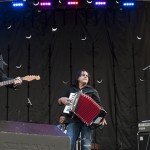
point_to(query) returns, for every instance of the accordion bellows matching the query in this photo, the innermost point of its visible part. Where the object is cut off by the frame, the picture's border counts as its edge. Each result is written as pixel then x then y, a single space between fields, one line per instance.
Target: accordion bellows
pixel 87 109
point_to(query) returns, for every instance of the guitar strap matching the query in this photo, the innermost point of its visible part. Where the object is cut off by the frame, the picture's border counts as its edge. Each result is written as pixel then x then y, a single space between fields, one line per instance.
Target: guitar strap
pixel 2 62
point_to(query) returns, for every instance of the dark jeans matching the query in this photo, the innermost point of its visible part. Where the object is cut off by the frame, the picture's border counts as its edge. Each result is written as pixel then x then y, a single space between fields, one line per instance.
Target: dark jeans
pixel 74 130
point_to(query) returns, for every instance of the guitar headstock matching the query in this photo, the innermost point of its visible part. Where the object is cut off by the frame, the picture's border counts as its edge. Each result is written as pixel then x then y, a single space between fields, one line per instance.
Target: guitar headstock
pixel 31 77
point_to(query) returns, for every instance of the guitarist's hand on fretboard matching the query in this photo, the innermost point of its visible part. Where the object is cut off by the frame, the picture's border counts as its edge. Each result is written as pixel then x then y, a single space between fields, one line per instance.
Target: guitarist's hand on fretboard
pixel 17 81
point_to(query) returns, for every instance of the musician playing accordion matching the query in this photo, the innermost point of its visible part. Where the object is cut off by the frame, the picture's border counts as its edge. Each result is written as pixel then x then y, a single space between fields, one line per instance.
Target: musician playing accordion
pixel 76 125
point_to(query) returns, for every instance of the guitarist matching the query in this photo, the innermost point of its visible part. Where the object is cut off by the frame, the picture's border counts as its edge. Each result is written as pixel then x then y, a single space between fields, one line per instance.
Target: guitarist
pixel 3 76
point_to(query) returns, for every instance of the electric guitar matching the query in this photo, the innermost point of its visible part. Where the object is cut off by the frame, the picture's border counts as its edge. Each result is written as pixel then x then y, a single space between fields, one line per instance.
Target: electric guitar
pixel 26 78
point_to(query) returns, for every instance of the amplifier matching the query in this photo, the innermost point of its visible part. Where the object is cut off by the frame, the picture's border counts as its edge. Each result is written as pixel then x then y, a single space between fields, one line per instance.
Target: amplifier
pixel 144 127
pixel 143 141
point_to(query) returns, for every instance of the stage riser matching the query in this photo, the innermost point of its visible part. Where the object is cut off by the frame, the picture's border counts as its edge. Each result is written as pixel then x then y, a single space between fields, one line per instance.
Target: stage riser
pixel 29 136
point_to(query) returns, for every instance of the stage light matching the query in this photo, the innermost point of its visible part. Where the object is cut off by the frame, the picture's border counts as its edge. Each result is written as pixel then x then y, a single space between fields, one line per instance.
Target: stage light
pixel 100 3
pixel 128 4
pixel 45 3
pixel 72 3
pixel 17 4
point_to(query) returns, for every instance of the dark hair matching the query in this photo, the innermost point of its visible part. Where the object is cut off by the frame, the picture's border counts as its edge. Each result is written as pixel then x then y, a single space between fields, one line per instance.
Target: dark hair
pixel 78 74
pixel 61 115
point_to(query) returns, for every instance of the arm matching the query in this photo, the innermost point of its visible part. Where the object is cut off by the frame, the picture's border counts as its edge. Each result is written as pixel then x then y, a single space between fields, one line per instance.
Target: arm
pixel 3 77
pixel 64 99
pixel 96 97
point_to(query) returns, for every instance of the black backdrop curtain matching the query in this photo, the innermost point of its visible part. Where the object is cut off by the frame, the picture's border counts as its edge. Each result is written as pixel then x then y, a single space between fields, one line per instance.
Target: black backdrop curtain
pixel 112 44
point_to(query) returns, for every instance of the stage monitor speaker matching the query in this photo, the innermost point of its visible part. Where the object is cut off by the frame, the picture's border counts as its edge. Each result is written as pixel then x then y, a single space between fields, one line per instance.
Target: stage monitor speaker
pixel 32 136
pixel 143 140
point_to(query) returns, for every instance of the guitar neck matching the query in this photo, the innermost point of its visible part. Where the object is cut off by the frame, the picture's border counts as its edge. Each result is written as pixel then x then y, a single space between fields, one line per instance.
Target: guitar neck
pixel 26 78
pixel 7 82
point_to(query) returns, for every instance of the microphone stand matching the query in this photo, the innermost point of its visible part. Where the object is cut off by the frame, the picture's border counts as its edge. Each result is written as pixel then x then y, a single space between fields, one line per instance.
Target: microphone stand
pixel 29 104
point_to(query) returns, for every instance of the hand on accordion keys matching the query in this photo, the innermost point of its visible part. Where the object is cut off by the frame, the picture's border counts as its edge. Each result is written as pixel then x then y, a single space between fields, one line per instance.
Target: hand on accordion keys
pixel 63 100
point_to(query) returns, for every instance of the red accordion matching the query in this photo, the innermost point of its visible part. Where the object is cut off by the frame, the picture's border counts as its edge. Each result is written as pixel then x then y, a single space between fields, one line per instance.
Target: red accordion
pixel 85 108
